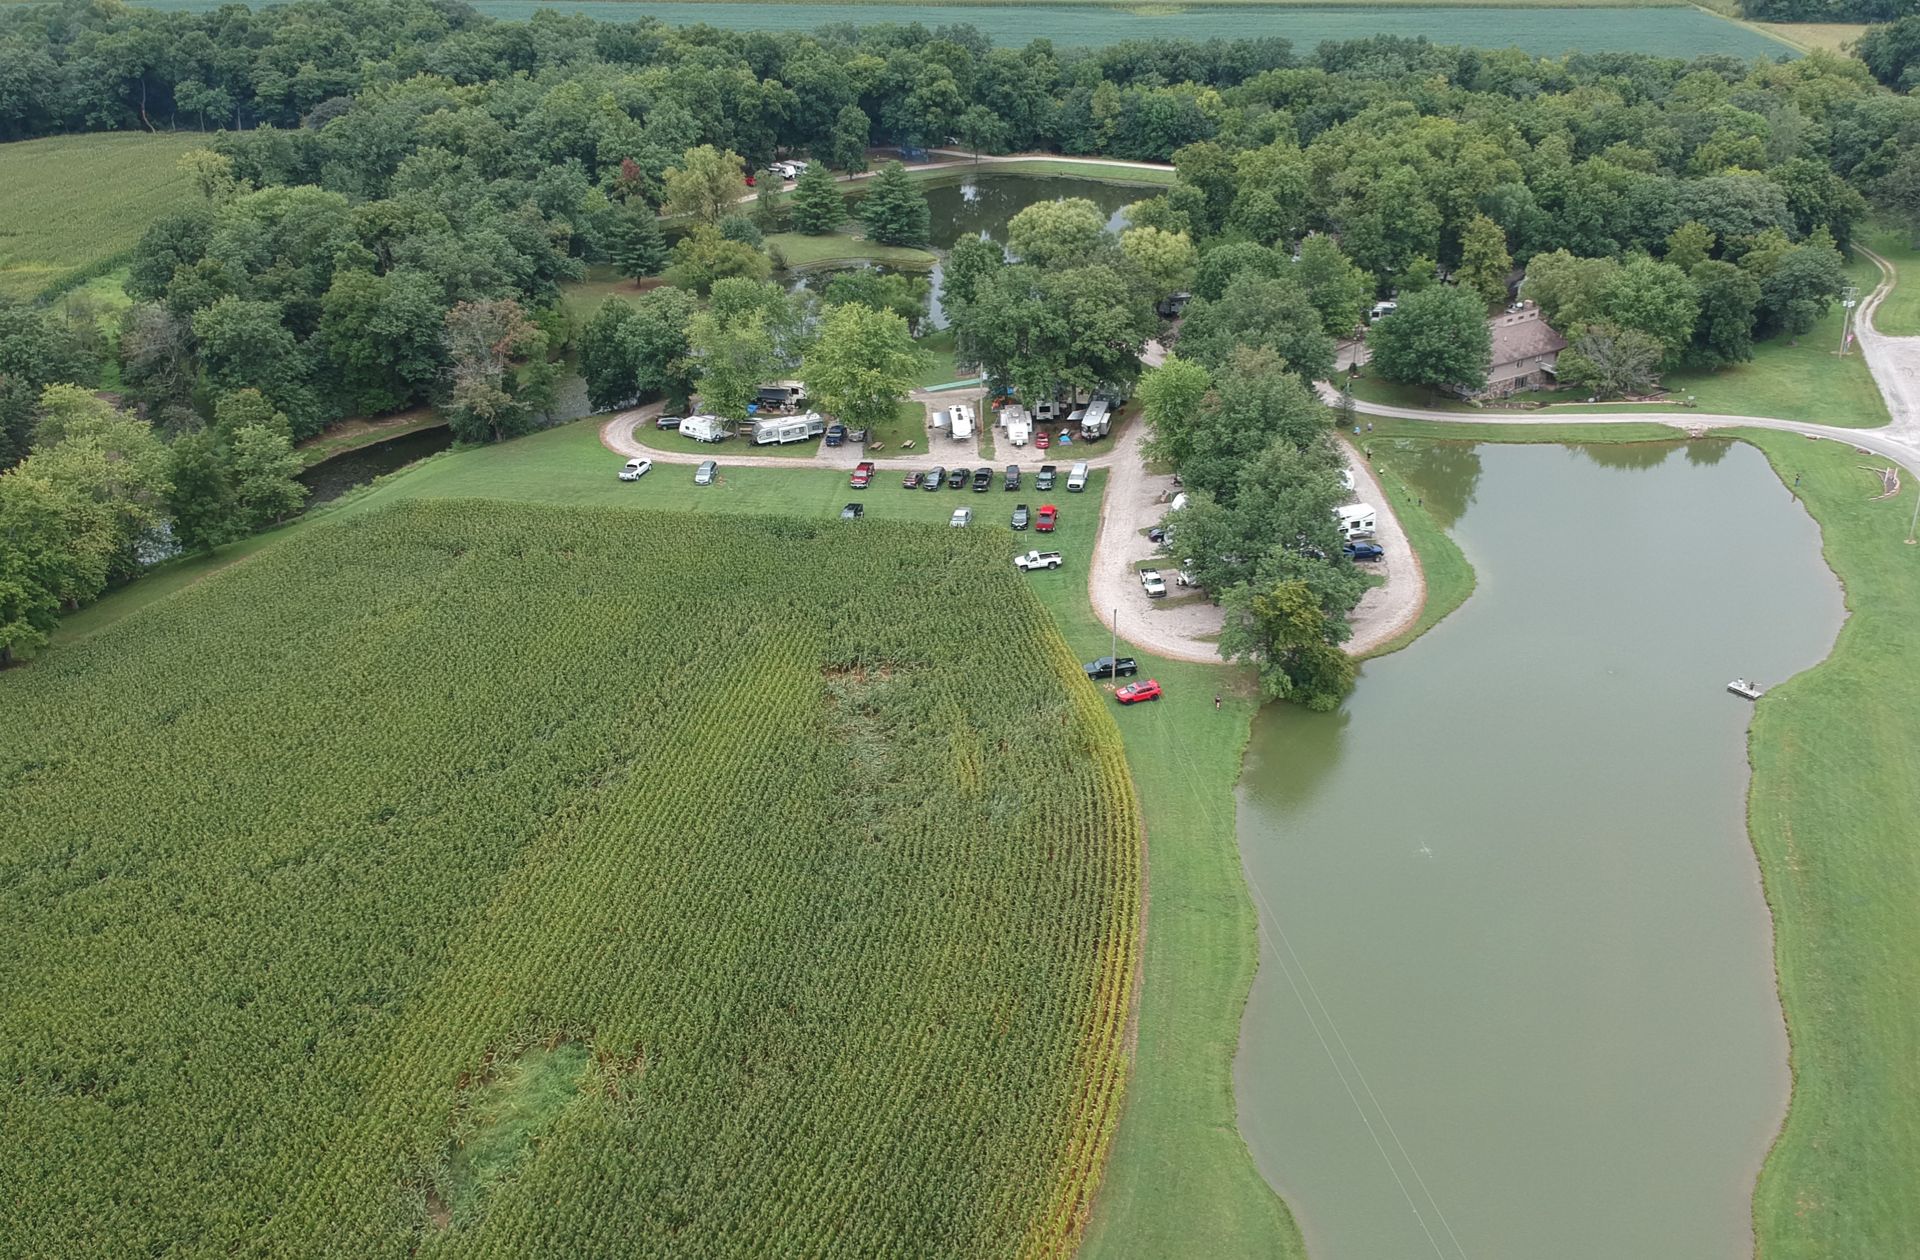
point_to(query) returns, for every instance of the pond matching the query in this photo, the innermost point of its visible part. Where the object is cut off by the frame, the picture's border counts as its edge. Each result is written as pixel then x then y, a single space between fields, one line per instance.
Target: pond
pixel 983 205
pixel 331 478
pixel 1516 992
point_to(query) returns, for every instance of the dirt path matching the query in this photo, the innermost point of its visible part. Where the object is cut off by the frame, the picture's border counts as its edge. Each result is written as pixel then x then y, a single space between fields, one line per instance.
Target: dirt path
pixel 1386 610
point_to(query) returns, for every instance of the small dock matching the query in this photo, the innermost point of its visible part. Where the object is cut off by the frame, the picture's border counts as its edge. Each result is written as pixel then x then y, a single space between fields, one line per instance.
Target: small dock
pixel 1743 687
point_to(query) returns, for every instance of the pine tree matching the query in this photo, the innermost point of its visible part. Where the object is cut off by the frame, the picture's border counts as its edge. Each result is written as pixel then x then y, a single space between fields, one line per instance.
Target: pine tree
pixel 818 207
pixel 638 247
pixel 893 210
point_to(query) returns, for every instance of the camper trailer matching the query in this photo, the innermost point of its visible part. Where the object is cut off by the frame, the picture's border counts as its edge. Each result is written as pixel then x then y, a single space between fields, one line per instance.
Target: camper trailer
pixel 1097 420
pixel 1019 426
pixel 960 421
pixel 780 396
pixel 784 429
pixel 1356 521
pixel 703 428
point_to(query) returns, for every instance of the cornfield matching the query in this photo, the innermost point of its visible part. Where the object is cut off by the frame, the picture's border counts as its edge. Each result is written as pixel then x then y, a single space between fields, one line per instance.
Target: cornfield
pixel 807 832
pixel 72 204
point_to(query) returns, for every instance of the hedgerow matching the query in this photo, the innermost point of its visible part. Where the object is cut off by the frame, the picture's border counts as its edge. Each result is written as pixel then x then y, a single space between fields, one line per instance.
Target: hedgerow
pixel 809 831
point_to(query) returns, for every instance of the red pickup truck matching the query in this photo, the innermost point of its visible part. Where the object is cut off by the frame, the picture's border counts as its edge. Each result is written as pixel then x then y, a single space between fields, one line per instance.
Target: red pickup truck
pixel 862 475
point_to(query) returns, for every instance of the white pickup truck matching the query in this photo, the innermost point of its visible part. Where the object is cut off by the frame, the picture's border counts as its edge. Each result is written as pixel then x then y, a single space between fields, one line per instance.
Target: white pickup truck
pixel 1037 560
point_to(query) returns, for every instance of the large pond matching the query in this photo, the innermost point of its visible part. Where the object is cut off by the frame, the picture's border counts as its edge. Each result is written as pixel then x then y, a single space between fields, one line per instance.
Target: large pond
pixel 1516 992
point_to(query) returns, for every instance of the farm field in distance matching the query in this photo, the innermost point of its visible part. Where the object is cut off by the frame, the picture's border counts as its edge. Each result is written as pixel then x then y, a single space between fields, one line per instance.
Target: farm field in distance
pixel 75 201
pixel 1543 29
pixel 492 886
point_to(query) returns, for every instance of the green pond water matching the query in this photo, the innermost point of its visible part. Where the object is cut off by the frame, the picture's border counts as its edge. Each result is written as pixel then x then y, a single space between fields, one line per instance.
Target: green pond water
pixel 1516 996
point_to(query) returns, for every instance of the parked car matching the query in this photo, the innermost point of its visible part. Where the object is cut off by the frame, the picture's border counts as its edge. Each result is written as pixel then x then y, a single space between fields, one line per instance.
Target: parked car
pixel 1077 479
pixel 1019 516
pixel 1364 551
pixel 911 481
pixel 707 473
pixel 962 517
pixel 1135 692
pixel 668 424
pixel 983 479
pixel 1041 441
pixel 1110 667
pixel 1013 477
pixel 1154 584
pixel 1049 517
pixel 1043 480
pixel 636 469
pixel 1032 560
pixel 853 511
pixel 958 478
pixel 1159 534
pixel 836 434
pixel 862 475
pixel 1184 576
pixel 934 479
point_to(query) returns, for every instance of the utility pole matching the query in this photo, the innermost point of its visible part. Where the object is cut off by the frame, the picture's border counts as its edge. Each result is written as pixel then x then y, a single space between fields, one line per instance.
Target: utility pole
pixel 1849 298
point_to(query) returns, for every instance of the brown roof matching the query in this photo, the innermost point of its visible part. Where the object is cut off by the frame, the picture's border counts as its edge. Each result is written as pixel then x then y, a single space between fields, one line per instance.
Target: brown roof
pixel 1520 340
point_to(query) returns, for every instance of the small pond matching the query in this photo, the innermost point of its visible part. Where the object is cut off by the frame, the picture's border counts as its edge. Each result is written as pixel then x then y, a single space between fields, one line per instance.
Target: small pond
pixel 1516 991
pixel 329 479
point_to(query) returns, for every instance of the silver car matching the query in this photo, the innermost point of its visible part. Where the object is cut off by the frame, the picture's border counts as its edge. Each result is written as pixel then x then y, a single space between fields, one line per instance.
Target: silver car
pixel 707 473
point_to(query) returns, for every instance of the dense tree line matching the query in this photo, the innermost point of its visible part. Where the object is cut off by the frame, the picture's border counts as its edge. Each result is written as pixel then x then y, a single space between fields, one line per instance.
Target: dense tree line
pixel 1826 10
pixel 394 191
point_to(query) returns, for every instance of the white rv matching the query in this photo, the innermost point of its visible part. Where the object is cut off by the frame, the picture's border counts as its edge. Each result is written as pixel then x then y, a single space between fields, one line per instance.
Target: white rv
pixel 1097 420
pixel 703 428
pixel 1356 520
pixel 961 423
pixel 1019 426
pixel 785 429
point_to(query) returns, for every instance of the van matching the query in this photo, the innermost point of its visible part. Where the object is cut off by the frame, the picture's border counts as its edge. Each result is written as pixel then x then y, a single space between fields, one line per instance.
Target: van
pixel 1077 479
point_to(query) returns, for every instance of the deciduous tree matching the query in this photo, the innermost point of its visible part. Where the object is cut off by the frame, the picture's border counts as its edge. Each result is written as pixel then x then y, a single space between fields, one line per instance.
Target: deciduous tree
pixel 707 184
pixel 1438 338
pixel 862 363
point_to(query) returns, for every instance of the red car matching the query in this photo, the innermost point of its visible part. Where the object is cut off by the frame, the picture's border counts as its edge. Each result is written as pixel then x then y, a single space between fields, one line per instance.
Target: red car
pixel 1048 518
pixel 1135 692
pixel 1041 441
pixel 911 481
pixel 862 475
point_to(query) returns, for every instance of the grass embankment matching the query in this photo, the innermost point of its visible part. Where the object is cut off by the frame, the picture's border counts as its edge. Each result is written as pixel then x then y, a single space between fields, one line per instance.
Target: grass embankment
pixel 844 247
pixel 1448 573
pixel 70 204
pixel 1833 811
pixel 1179 1170
pixel 352 435
pixel 1808 381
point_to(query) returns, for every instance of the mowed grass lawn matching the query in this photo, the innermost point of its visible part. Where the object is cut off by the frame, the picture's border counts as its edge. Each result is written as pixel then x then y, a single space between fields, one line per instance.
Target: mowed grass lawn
pixel 1834 810
pixel 1899 314
pixel 72 202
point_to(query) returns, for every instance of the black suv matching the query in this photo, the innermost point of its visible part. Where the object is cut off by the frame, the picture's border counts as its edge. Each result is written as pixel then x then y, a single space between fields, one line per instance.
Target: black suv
pixel 933 480
pixel 983 479
pixel 1108 667
pixel 1013 476
pixel 957 479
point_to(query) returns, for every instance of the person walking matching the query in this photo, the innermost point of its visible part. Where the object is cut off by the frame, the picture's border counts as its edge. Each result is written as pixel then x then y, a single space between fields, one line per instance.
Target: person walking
pixel 1216 700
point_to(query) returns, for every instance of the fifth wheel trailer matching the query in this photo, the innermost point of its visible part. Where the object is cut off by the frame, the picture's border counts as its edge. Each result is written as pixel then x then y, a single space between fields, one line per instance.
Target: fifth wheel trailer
pixel 788 428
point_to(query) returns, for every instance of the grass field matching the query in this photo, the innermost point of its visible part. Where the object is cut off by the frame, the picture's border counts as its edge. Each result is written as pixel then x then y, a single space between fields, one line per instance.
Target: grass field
pixel 1449 575
pixel 1899 313
pixel 74 202
pixel 1670 30
pixel 1833 810
pixel 844 247
pixel 1836 37
pixel 493 888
